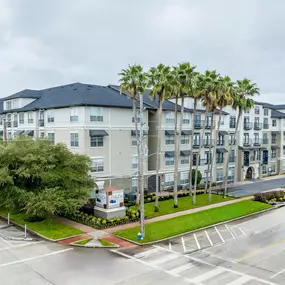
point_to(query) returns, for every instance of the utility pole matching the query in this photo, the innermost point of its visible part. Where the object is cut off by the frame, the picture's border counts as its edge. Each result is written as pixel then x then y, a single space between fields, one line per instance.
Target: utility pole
pixel 141 161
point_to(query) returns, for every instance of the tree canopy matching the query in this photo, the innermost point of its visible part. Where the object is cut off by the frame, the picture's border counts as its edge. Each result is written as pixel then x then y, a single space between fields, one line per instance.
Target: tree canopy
pixel 43 179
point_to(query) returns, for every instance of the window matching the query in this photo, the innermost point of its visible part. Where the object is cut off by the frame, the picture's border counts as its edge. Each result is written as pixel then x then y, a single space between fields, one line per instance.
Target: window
pixel 219 175
pixel 196 139
pixel 21 118
pixel 265 112
pixel 169 160
pixel 134 141
pixel 185 139
pixel 274 139
pixel 274 123
pixel 50 116
pixel 169 139
pixel 96 114
pixel 9 135
pixel 273 167
pixel 247 111
pixel 74 139
pixel 15 104
pixel 231 175
pixel 135 162
pixel 220 140
pixel 97 165
pixel 96 141
pixel 232 122
pixel 220 157
pixel 232 156
pixel 42 135
pixel 231 139
pixel 170 119
pixel 273 153
pixel 255 155
pixel 195 159
pixel 73 114
pixel 265 123
pixel 208 157
pixel 186 118
pixel 8 105
pixel 184 177
pixel 169 179
pixel 256 137
pixel 30 117
pixel 134 184
pixel 256 110
pixel 15 121
pixel 264 169
pixel 283 151
pixel 9 119
pixel 51 137
pixel 185 160
pixel 207 139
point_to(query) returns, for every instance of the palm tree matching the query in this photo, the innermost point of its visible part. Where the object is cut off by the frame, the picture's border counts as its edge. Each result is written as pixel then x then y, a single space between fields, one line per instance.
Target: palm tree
pixel 243 101
pixel 159 78
pixel 224 97
pixel 133 81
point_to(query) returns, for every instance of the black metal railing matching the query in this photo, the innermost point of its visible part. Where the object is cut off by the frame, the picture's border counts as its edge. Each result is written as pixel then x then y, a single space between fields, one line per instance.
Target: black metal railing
pixel 233 125
pixel 265 141
pixel 266 126
pixel 247 126
pixel 257 142
pixel 198 124
pixel 257 126
pixel 41 122
pixel 247 142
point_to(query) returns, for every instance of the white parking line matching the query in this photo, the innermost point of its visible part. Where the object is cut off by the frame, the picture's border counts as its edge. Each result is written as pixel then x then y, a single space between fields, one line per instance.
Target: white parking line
pixel 170 246
pixel 5 241
pixel 241 280
pixel 146 253
pixel 183 244
pixel 278 273
pixel 242 231
pixel 222 239
pixel 198 245
pixel 208 275
pixel 233 236
pixel 35 257
pixel 21 245
pixel 182 268
pixel 208 238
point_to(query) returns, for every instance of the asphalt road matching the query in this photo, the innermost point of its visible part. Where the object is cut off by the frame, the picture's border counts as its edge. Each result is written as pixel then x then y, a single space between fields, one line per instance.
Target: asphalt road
pixel 256 187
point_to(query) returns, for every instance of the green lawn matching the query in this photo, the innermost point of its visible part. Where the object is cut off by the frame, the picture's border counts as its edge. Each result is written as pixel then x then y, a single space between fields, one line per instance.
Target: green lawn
pixel 106 243
pixel 171 227
pixel 83 241
pixel 184 203
pixel 49 228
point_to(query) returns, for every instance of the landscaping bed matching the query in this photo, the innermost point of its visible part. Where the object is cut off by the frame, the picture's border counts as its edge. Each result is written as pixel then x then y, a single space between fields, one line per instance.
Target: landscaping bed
pixel 182 224
pixel 48 228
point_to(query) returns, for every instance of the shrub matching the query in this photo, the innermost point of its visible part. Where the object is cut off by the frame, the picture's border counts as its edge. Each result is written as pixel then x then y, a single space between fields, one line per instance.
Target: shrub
pixel 214 184
pixel 270 197
pixel 199 178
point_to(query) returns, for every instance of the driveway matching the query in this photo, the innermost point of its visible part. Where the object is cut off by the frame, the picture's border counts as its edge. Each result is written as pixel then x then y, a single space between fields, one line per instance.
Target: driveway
pixel 256 186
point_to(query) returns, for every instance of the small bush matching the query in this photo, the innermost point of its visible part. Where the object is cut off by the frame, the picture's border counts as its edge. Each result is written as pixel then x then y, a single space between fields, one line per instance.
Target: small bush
pixel 214 184
pixel 270 197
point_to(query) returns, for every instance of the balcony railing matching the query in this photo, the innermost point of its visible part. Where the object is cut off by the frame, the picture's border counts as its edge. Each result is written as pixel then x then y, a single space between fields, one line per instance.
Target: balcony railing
pixel 15 124
pixel 232 125
pixel 265 141
pixel 247 142
pixel 247 126
pixel 257 142
pixel 231 142
pixel 198 124
pixel 196 144
pixel 207 143
pixel 257 126
pixel 208 125
pixel 220 142
pixel 266 126
pixel 9 124
pixel 274 141
pixel 220 160
pixel 41 122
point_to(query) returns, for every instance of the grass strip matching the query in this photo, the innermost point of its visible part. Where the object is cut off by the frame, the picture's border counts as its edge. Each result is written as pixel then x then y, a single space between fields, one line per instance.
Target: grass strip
pixel 106 242
pixel 83 241
pixel 179 225
pixel 49 228
pixel 184 203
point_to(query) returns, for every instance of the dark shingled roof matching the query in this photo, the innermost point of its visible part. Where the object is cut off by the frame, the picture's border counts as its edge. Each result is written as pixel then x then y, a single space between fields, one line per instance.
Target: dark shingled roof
pixel 27 93
pixel 277 114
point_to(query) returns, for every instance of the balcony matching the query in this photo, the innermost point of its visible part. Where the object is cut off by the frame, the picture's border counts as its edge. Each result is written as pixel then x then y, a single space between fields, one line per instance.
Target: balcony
pixel 201 162
pixel 247 142
pixel 266 126
pixel 220 142
pixel 257 142
pixel 198 124
pixel 247 126
pixel 232 125
pixel 41 123
pixel 257 126
pixel 232 159
pixel 9 124
pixel 196 144
pixel 265 141
pixel 209 125
pixel 207 143
pixel 220 160
pixel 15 124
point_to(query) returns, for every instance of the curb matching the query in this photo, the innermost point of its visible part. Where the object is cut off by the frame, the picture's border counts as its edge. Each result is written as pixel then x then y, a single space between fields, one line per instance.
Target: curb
pixel 93 246
pixel 204 228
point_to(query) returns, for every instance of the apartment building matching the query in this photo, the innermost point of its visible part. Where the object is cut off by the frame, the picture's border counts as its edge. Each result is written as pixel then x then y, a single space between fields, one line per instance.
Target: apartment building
pixel 98 121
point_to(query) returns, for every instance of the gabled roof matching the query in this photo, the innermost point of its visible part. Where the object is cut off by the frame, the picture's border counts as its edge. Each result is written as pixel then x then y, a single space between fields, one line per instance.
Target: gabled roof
pixel 27 93
pixel 277 114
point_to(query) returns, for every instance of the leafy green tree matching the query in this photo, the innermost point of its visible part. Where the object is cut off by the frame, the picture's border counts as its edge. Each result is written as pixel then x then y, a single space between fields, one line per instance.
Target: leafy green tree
pixel 43 179
pixel 199 176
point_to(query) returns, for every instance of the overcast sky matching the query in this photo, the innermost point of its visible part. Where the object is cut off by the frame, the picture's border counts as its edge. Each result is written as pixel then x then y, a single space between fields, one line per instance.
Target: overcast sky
pixel 49 43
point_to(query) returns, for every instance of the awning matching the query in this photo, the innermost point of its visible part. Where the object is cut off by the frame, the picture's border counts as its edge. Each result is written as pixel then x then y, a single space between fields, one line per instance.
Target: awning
pixel 222 150
pixel 28 133
pixel 275 147
pixel 275 133
pixel 186 132
pixel 185 152
pixel 169 133
pixel 19 132
pixel 133 133
pixel 223 133
pixel 169 154
pixel 98 133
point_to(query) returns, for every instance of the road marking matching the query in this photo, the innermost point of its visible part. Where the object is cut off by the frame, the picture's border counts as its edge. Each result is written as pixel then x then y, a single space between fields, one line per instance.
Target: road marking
pixel 208 275
pixel 220 257
pixel 242 231
pixel 20 245
pixel 183 244
pixel 182 268
pixel 278 273
pixel 146 253
pixel 5 241
pixel 208 238
pixel 198 245
pixel 170 246
pixel 222 239
pixel 35 257
pixel 230 232
pixel 163 259
pixel 241 280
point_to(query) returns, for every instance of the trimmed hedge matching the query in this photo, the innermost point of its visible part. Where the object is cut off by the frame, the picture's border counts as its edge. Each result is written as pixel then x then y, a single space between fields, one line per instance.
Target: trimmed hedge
pixel 270 197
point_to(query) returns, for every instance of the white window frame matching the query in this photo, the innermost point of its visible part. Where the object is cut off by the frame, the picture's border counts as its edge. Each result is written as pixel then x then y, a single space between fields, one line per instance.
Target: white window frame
pixel 185 159
pixel 184 177
pixel 50 116
pixel 169 160
pixel 134 184
pixel 186 118
pixel 97 164
pixel 265 112
pixel 97 141
pixel 169 139
pixel 219 175
pixel 168 179
pixel 135 162
pixel 274 123
pixel 256 110
pixel 134 141
pixel 21 118
pixel 273 167
pixel 51 137
pixel 42 135
pixel 74 139
pixel 185 139
pixel 74 117
pixel 96 114
pixel 30 117
pixel 231 178
pixel 8 105
pixel 169 118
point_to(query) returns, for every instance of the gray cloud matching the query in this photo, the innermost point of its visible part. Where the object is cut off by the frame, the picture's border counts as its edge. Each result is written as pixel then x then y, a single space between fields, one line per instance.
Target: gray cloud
pixel 47 43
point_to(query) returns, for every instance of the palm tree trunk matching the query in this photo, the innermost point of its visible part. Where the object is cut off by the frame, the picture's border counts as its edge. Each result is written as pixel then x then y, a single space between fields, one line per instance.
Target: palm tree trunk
pixel 198 156
pixel 210 156
pixel 228 158
pixel 215 150
pixel 191 147
pixel 138 147
pixel 157 182
pixel 176 136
